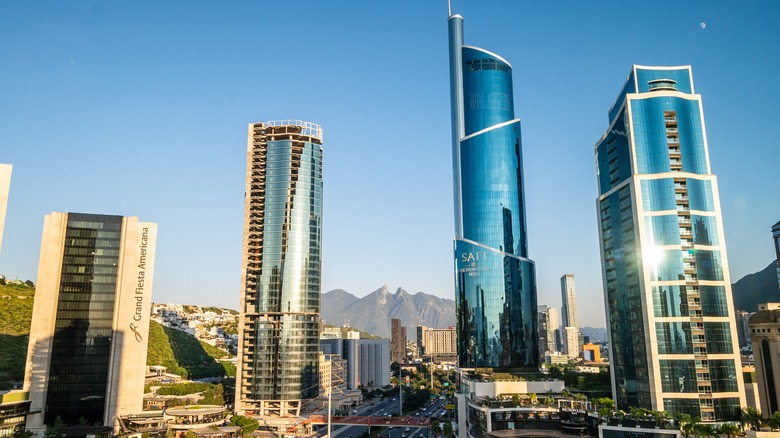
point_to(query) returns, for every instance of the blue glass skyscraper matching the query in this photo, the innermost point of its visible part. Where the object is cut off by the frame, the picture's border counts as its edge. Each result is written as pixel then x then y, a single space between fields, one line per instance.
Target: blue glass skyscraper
pixel 669 307
pixel 494 279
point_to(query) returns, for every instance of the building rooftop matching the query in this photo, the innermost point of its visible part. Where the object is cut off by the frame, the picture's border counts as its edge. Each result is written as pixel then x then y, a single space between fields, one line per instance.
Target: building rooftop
pixel 765 316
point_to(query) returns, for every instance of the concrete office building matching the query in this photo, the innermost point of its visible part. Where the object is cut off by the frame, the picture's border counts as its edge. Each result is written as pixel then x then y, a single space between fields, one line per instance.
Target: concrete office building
pixel 397 341
pixel 374 362
pixel 367 360
pixel 743 330
pixel 86 358
pixel 437 343
pixel 5 188
pixel 571 342
pixel 495 283
pixel 346 349
pixel 670 314
pixel 278 347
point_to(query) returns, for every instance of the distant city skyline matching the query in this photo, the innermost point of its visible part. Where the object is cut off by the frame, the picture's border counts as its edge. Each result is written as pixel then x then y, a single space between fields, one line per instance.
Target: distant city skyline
pixel 139 109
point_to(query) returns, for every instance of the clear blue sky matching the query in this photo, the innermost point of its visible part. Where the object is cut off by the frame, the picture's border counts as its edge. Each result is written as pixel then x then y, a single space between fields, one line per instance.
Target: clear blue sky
pixel 141 108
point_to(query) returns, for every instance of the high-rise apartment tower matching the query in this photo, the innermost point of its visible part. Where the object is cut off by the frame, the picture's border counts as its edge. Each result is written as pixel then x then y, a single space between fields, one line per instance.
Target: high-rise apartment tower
pixel 670 314
pixel 278 349
pixel 5 187
pixel 86 358
pixel 495 282
pixel 569 300
pixel 397 341
pixel 571 327
pixel 776 239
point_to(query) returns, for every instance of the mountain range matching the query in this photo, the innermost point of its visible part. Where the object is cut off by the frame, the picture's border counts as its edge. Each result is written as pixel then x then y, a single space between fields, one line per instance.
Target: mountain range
pixel 754 289
pixel 373 312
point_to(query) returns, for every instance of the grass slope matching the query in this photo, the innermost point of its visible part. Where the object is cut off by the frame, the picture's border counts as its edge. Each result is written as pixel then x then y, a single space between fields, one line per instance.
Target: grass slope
pixel 16 304
pixel 184 355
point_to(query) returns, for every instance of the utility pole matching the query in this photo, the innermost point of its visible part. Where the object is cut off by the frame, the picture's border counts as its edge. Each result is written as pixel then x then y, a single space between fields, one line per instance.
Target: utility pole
pixel 432 363
pixel 330 393
pixel 400 393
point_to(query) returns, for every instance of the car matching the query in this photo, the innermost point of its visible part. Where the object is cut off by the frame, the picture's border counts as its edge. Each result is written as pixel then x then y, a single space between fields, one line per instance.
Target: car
pixel 354 411
pixel 403 435
pixel 407 429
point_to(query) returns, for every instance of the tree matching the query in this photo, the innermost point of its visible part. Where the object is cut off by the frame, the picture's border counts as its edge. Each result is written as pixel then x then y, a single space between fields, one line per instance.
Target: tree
pixel 685 420
pixel 774 421
pixel 29 283
pixel 448 431
pixel 247 425
pixel 729 429
pixel 534 399
pixel 515 400
pixel 435 428
pixel 22 433
pixel 707 430
pixel 753 417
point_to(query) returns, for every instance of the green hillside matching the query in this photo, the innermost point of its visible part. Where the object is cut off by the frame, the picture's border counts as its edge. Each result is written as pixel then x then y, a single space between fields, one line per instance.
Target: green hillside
pixel 184 355
pixel 181 353
pixel 16 304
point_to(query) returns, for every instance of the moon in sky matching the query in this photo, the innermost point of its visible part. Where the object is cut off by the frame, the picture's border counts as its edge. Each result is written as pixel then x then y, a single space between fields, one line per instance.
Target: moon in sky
pixel 703 25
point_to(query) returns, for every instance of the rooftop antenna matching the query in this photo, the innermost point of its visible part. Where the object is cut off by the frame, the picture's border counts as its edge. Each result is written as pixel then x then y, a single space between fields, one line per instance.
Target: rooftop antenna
pixel 449 8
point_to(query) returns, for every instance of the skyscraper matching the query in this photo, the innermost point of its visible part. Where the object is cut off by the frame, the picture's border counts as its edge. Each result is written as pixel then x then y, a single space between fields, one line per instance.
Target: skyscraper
pixel 667 287
pixel 775 238
pixel 569 300
pixel 571 327
pixel 495 283
pixel 397 341
pixel 278 350
pixel 5 187
pixel 86 359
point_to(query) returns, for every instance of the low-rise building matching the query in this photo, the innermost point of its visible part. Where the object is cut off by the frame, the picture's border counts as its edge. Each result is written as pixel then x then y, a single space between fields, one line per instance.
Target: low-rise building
pixel 14 407
pixel 765 337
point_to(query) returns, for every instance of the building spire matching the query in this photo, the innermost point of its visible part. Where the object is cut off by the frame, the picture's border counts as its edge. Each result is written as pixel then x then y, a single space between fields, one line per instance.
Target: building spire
pixel 449 8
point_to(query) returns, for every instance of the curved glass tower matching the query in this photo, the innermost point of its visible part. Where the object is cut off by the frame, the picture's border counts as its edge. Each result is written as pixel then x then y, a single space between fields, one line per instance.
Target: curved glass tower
pixel 494 279
pixel 278 356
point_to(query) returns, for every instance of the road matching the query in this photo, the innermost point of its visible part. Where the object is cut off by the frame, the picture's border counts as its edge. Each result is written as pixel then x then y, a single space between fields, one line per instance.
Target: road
pixel 387 406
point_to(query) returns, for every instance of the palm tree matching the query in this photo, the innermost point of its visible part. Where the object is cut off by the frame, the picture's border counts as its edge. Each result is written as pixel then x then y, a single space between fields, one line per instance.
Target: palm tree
pixel 729 429
pixel 685 420
pixel 753 417
pixel 707 430
pixel 774 421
